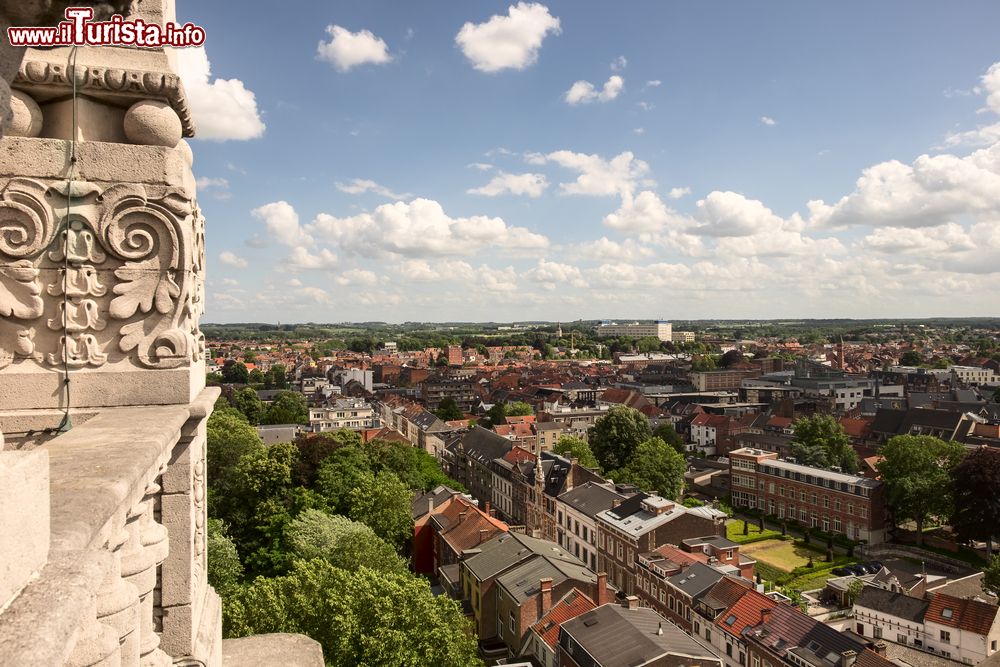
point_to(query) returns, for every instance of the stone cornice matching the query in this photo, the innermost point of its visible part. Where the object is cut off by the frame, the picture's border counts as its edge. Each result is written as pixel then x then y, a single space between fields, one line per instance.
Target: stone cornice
pixel 133 84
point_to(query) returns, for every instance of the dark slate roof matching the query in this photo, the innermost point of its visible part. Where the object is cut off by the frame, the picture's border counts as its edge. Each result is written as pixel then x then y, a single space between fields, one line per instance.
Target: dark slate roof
pixel 894 604
pixel 788 630
pixel 509 549
pixel 613 635
pixel 888 421
pixel 521 582
pixel 425 420
pixel 696 579
pixel 439 494
pixel 591 498
pixel 484 445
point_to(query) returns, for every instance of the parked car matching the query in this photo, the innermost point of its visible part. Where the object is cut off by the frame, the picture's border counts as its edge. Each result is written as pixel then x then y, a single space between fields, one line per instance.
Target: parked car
pixel 877 564
pixel 856 570
pixel 841 571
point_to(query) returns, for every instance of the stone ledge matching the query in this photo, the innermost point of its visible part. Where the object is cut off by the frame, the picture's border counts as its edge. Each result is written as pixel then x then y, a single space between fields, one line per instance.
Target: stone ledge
pixel 274 649
pixel 101 468
pixel 40 626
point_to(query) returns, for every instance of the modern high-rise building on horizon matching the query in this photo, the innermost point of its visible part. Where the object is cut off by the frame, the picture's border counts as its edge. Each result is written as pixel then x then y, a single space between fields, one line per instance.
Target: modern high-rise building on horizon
pixel 659 328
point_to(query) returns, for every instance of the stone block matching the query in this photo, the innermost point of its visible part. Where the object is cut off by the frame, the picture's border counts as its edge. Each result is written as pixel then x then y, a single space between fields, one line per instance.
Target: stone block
pixel 24 519
pixel 273 649
pixel 95 121
pixel 179 570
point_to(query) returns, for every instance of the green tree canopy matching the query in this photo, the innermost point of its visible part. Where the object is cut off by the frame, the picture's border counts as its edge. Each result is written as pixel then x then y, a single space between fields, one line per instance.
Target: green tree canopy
pixel 276 377
pixel 314 448
pixel 820 441
pixel 648 344
pixel 703 362
pixel 341 542
pixel 224 568
pixel 360 617
pixel 339 473
pixel 991 576
pixel 615 436
pixel 448 410
pixel 289 407
pixel 383 503
pixel 668 434
pixel 917 473
pixel 976 492
pixel 911 358
pixel 235 372
pixel 655 467
pixel 578 449
pixel 245 400
pixel 230 438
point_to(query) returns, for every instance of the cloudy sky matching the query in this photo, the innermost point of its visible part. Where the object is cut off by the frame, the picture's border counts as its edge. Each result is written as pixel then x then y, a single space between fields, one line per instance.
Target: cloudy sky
pixel 433 160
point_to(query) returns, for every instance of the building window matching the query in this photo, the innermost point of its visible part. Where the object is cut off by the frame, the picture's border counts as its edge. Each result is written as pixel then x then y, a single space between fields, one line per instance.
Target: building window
pixel 826 502
pixel 755 661
pixel 901 639
pixel 511 621
pixel 877 632
pixel 836 524
pixel 850 508
pixel 945 636
pixel 708 635
pixel 802 496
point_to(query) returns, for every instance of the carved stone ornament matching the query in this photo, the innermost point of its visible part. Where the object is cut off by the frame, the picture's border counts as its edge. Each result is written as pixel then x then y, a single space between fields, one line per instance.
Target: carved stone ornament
pixel 112 81
pixel 91 276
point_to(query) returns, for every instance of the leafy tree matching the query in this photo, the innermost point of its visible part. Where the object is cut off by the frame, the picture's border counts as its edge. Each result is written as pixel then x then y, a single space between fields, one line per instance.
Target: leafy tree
pixel 668 434
pixel 289 407
pixel 648 344
pixel 235 372
pixel 360 617
pixel 249 357
pixel 518 409
pixel 976 491
pixel 578 449
pixel 703 362
pixel 224 568
pixel 341 542
pixel 692 502
pixel 615 436
pixel 500 411
pixel 448 410
pixel 996 395
pixel 991 576
pixel 230 438
pixel 256 377
pixel 213 379
pixel 731 358
pixel 314 448
pixel 916 471
pixel 245 400
pixel 820 441
pixel 276 377
pixel 854 590
pixel 911 358
pixel 655 467
pixel 339 473
pixel 382 502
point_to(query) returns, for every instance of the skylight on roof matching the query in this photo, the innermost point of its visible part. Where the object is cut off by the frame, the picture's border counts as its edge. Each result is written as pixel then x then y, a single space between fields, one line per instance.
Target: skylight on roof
pixel 731 619
pixel 947 613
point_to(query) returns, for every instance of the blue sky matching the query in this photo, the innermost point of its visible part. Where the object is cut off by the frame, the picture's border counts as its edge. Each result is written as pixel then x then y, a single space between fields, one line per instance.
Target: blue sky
pixel 435 161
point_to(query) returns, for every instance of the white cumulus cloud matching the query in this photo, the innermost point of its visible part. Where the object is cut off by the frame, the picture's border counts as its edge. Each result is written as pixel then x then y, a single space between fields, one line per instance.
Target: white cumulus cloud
pixel 348 49
pixel 767 120
pixel 553 275
pixel 230 258
pixel 531 185
pixel 420 228
pixel 598 177
pixel 357 186
pixel 223 109
pixel 584 92
pixel 282 223
pixel 508 42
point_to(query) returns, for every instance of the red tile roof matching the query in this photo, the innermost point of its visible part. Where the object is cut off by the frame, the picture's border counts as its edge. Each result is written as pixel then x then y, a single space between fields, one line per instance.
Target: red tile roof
pixel 518 455
pixel 567 608
pixel 969 615
pixel 746 612
pixel 870 658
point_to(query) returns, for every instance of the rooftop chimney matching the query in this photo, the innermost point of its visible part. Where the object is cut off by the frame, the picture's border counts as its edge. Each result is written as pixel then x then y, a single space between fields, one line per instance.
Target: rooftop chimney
pixel 461 515
pixel 659 628
pixel 486 508
pixel 631 602
pixel 764 615
pixel 545 597
pixel 483 533
pixel 848 658
pixel 603 597
pixel 879 647
pixel 430 504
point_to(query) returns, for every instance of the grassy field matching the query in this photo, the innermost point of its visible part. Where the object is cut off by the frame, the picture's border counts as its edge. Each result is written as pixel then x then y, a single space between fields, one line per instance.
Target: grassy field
pixel 785 556
pixel 734 531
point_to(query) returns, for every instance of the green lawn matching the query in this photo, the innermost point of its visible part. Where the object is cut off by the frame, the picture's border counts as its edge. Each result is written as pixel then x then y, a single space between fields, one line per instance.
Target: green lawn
pixel 785 556
pixel 734 531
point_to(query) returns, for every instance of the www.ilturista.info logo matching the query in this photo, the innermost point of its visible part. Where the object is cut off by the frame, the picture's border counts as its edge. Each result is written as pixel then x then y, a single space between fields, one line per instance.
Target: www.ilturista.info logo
pixel 79 30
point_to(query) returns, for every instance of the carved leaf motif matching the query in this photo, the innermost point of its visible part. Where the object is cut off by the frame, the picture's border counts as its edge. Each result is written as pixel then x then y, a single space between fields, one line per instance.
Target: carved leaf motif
pixel 143 286
pixel 19 291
